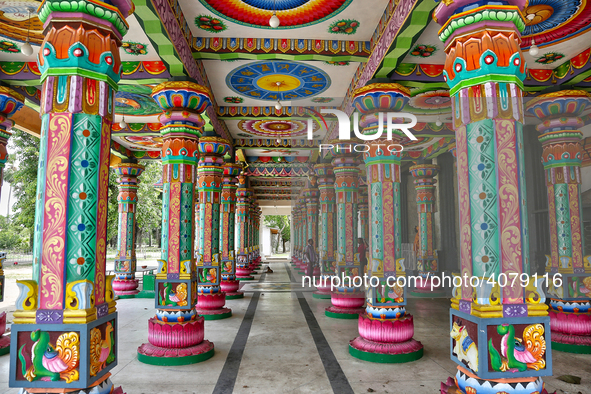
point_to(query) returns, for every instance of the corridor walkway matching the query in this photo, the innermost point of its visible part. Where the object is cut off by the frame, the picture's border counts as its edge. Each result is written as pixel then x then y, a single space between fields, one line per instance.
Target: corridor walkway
pixel 279 341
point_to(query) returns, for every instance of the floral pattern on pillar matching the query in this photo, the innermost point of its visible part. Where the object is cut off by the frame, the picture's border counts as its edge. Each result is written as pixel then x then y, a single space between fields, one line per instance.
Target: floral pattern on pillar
pixel 325 179
pixel 243 270
pixel 570 315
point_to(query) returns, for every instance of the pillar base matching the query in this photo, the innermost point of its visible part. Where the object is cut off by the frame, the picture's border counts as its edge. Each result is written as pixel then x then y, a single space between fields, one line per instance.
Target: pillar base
pixel 468 383
pixel 211 306
pixel 343 313
pixel 321 295
pixel 571 343
pixel 126 287
pixel 234 295
pixel 245 278
pixel 386 353
pixel 230 287
pixel 4 350
pixel 154 355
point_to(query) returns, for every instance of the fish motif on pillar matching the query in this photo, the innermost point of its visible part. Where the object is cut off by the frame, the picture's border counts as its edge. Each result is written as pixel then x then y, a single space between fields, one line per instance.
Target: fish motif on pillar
pixel 229 284
pixel 176 333
pixel 69 304
pixel 327 199
pixel 562 153
pixel 125 284
pixel 485 70
pixel 386 329
pixel 211 299
pixel 427 263
pixel 347 300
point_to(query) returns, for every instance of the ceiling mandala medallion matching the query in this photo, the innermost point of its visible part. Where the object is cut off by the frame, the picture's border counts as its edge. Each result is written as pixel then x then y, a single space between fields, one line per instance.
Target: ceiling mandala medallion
pixel 345 26
pixel 275 128
pixel 278 80
pixel 291 13
pixel 210 24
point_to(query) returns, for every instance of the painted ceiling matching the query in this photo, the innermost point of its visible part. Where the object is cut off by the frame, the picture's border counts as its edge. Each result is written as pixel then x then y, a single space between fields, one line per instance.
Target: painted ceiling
pixel 321 52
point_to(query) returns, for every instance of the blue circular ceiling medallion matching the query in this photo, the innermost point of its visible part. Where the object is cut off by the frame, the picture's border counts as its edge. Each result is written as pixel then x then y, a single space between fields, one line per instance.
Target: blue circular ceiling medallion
pixel 278 80
pixel 276 4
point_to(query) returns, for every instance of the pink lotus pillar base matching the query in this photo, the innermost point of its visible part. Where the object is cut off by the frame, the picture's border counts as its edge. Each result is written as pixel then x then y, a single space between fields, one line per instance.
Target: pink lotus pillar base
pixel 175 343
pixel 230 287
pixel 243 273
pixel 125 286
pixel 4 339
pixel 570 332
pixel 386 340
pixel 211 306
pixel 346 305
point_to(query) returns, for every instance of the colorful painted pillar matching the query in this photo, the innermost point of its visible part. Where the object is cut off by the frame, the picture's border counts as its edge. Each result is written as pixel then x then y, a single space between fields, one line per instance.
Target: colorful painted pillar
pixel 10 102
pixel 296 214
pixel 252 261
pixel 229 284
pixel 243 271
pixel 386 329
pixel 311 195
pixel 303 233
pixel 255 221
pixel 347 299
pixel 64 336
pixel 570 314
pixel 176 333
pixel 363 207
pixel 427 263
pixel 327 242
pixel 210 297
pixel 125 283
pixel 498 331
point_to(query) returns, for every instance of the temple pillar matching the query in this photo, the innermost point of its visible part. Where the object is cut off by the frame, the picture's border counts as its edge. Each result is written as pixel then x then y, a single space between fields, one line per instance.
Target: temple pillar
pixel 65 325
pixel 327 219
pixel 311 197
pixel 243 271
pixel 499 331
pixel 252 210
pixel 296 217
pixel 303 234
pixel 229 283
pixel 347 299
pixel 210 297
pixel 427 262
pixel 125 283
pixel 386 329
pixel 570 314
pixel 176 333
pixel 363 222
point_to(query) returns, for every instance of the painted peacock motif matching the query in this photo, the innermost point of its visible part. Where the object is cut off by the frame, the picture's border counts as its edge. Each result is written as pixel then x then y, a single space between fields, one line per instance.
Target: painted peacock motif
pixel 518 354
pixel 101 350
pixel 49 362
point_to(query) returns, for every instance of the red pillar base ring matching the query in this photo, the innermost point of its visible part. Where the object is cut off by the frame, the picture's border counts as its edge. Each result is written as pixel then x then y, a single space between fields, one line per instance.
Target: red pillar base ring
pixel 125 287
pixel 154 355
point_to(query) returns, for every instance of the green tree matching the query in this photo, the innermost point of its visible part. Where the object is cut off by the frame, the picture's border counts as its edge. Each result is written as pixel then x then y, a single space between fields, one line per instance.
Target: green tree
pixel 283 223
pixel 22 176
pixel 149 207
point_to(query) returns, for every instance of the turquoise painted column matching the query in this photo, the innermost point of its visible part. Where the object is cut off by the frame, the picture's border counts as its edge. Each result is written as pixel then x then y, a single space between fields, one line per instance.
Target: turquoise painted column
pixel 327 219
pixel 242 210
pixel 176 333
pixel 125 283
pixel 68 306
pixel 427 263
pixel 386 329
pixel 570 315
pixel 229 283
pixel 347 300
pixel 485 69
pixel 210 299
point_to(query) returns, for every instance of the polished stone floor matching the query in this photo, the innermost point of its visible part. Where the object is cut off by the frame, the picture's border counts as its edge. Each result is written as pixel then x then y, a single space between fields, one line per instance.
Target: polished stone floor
pixel 279 341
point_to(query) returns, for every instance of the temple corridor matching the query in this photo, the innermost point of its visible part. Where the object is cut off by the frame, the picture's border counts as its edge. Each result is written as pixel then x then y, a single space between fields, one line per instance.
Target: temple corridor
pixel 280 341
